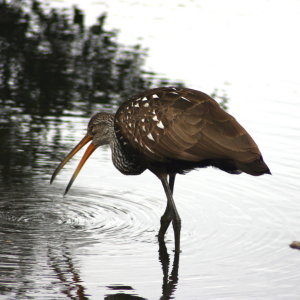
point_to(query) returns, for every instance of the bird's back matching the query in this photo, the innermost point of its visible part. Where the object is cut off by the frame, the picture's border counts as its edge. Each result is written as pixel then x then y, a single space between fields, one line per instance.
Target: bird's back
pixel 183 129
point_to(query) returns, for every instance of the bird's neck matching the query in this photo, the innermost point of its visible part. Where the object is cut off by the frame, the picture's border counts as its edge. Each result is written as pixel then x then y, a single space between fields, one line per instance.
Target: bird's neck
pixel 127 163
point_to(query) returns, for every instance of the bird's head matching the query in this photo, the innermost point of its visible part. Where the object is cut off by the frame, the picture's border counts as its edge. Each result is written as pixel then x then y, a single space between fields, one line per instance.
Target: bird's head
pixel 100 128
pixel 99 131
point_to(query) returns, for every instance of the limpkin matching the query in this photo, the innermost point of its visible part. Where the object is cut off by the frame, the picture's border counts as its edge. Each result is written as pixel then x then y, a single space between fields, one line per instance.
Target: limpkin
pixel 170 131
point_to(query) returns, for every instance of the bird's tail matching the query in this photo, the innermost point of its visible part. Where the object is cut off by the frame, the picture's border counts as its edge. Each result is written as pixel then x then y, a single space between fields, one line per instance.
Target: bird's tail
pixel 256 168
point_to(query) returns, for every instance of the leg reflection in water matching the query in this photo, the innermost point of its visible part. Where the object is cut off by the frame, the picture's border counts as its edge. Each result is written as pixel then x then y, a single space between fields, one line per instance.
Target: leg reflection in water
pixel 169 283
pixel 61 262
pixel 169 280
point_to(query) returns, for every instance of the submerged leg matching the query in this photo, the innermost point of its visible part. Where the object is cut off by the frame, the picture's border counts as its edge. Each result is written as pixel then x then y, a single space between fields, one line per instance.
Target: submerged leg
pixel 172 214
pixel 166 218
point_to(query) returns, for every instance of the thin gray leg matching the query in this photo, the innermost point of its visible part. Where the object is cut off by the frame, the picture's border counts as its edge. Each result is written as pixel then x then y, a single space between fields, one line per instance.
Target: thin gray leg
pixel 171 213
pixel 166 218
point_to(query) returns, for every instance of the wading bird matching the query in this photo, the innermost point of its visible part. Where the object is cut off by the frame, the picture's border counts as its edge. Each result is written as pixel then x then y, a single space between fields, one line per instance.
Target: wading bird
pixel 171 131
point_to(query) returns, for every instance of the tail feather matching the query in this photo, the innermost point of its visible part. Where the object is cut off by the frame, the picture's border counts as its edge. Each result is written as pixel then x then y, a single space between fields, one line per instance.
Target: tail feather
pixel 255 168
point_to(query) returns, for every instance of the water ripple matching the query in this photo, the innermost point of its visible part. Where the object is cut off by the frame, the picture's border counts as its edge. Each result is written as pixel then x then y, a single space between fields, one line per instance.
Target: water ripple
pixel 110 218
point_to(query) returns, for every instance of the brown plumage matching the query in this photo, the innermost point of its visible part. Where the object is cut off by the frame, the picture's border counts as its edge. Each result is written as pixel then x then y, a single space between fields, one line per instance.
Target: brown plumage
pixel 168 131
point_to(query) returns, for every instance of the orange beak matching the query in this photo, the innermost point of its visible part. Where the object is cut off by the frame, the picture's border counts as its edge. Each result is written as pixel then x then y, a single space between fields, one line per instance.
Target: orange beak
pixel 91 148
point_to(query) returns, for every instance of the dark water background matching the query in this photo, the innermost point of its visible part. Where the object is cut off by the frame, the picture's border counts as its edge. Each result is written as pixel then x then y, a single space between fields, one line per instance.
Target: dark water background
pixel 99 242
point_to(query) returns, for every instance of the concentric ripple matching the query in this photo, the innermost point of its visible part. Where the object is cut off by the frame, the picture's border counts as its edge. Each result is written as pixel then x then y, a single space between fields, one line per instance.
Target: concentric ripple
pixel 117 218
pixel 106 217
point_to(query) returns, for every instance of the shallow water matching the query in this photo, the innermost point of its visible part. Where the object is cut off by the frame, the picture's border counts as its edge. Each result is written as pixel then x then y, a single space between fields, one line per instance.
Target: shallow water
pixel 99 241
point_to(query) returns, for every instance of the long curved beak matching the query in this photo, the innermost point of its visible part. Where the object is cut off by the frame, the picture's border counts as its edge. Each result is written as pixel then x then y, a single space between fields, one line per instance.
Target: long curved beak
pixel 91 148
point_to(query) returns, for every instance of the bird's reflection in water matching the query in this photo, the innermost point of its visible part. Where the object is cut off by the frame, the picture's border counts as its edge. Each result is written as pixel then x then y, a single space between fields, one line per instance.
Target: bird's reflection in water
pixel 169 283
pixel 73 287
pixel 169 280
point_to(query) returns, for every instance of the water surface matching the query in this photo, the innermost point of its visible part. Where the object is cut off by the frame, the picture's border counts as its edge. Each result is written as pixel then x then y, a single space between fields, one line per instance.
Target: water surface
pixel 99 241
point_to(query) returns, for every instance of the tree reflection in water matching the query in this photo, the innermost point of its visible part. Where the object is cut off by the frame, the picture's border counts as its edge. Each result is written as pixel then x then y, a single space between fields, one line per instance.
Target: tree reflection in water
pixel 50 61
pixel 66 272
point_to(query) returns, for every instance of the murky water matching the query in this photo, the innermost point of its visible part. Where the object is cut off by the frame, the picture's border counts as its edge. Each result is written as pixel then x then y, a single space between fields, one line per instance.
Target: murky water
pixel 99 241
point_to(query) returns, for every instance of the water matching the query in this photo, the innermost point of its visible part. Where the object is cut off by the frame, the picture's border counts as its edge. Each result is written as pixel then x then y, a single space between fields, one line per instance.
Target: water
pixel 99 241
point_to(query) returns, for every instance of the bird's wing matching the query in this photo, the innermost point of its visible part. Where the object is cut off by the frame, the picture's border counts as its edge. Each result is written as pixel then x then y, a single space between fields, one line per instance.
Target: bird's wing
pixel 175 123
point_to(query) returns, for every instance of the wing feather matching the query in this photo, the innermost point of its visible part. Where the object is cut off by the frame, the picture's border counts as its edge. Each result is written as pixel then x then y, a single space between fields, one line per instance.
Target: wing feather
pixel 183 124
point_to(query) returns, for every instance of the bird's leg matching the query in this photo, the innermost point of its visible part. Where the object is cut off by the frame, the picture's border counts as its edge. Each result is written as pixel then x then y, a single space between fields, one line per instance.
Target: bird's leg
pixel 171 182
pixel 166 218
pixel 172 211
pixel 165 221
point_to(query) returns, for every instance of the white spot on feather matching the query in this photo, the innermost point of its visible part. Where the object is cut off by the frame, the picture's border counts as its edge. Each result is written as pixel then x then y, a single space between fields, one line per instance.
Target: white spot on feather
pixel 129 124
pixel 144 128
pixel 155 96
pixel 155 118
pixel 137 105
pixel 144 99
pixel 149 148
pixel 146 104
pixel 160 125
pixel 183 98
pixel 135 139
pixel 150 136
pixel 143 120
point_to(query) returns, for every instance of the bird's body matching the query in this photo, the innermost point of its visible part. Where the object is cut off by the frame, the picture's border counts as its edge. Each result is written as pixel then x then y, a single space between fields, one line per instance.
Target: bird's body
pixel 176 130
pixel 169 131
